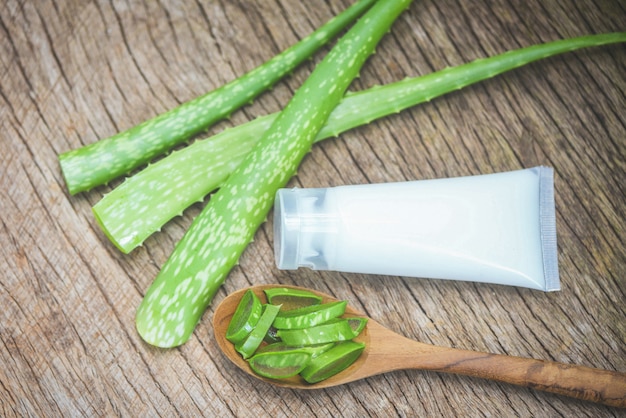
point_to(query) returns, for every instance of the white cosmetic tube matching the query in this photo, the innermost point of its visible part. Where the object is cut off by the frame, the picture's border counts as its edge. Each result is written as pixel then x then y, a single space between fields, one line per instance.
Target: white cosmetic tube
pixel 494 228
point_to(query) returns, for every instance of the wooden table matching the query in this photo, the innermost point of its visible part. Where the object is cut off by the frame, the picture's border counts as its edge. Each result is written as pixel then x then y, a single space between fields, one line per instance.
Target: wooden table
pixel 72 72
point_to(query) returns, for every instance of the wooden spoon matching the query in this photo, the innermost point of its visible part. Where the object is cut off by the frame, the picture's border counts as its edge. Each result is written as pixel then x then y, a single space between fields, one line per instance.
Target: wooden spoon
pixel 387 351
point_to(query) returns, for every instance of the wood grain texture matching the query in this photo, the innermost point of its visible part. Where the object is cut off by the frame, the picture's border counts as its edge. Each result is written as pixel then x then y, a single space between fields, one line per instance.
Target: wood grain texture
pixel 75 71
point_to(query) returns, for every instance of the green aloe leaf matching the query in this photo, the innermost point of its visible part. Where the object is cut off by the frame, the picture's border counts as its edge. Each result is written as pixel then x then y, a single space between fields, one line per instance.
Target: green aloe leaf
pixel 145 202
pixel 98 163
pixel 213 244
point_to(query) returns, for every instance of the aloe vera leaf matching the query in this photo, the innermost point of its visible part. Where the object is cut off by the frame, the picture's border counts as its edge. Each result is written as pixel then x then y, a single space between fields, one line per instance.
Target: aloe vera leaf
pixel 216 239
pixel 98 163
pixel 145 202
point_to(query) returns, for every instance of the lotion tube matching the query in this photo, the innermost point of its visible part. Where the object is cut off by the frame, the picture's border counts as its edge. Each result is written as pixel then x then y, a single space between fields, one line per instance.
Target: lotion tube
pixel 494 228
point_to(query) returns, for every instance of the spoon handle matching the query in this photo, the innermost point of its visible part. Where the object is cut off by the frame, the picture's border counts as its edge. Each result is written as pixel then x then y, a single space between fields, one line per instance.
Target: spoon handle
pixel 581 382
pixel 394 352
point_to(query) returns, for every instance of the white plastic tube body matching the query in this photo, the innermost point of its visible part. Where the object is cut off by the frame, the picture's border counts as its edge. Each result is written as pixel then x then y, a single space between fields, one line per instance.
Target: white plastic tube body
pixel 495 228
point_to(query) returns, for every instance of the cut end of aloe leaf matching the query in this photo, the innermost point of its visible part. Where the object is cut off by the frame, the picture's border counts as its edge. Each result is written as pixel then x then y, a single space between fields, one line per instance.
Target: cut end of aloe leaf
pixel 291 298
pixel 63 164
pixel 123 246
pixel 78 178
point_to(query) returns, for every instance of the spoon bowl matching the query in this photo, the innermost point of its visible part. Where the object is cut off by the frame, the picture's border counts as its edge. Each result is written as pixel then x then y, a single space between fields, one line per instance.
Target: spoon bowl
pixel 386 351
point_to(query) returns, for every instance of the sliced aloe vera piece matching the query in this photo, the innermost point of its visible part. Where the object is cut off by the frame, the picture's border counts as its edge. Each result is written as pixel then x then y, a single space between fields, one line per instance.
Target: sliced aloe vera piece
pixel 309 316
pixel 333 361
pixel 291 298
pixel 281 347
pixel 357 324
pixel 280 364
pixel 335 330
pixel 245 318
pixel 271 337
pixel 249 345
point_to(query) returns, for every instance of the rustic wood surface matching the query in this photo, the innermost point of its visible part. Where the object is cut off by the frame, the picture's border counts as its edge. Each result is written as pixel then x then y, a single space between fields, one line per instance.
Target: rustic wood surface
pixel 72 72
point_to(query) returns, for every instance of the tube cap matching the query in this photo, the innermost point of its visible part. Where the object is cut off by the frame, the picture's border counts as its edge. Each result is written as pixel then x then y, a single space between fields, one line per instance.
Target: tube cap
pixel 303 228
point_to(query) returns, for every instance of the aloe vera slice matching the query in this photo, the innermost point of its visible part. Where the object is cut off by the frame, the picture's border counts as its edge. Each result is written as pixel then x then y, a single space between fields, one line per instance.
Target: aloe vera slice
pixel 335 330
pixel 314 350
pixel 291 298
pixel 271 337
pixel 309 316
pixel 333 361
pixel 251 343
pixel 280 365
pixel 245 318
pixel 357 324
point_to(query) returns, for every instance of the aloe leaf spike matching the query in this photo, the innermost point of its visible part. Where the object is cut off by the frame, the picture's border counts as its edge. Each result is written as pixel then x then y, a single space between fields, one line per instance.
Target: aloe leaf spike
pixel 102 161
pixel 216 239
pixel 145 202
